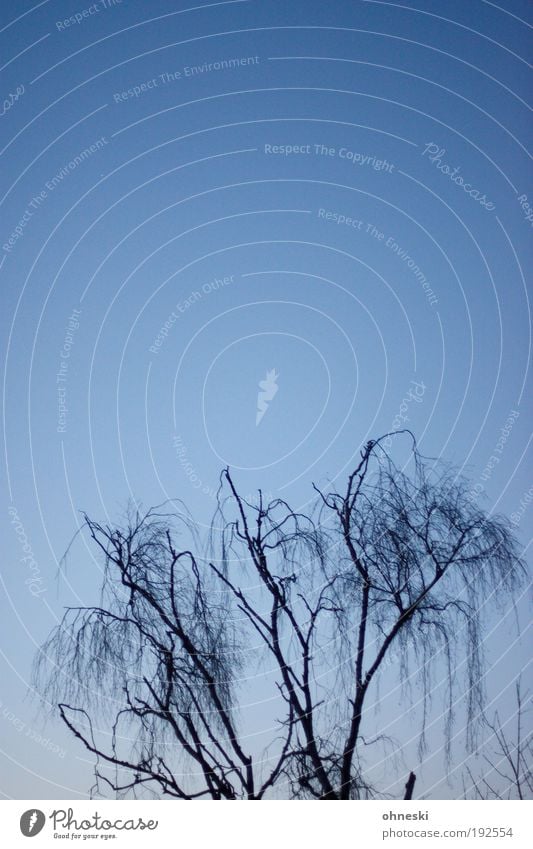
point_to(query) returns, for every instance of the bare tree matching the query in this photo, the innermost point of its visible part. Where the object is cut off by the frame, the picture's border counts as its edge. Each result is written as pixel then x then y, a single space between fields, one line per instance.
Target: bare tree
pixel 306 606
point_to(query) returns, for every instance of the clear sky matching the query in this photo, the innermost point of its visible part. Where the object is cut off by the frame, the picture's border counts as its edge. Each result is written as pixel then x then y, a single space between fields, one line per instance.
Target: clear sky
pixel 331 199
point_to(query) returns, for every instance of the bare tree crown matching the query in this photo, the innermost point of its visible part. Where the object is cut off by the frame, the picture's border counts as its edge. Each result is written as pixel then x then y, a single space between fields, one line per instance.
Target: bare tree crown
pixel 310 604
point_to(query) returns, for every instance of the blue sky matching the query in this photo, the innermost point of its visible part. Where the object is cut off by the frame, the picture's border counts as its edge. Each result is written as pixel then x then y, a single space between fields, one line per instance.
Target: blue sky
pixel 178 234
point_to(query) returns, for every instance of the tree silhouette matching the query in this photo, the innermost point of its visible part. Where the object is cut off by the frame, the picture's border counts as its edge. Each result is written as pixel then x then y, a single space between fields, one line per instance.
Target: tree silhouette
pixel 305 607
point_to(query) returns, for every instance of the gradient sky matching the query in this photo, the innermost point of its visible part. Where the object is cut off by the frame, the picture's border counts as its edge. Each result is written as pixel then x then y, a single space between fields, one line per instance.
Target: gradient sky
pixel 190 230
